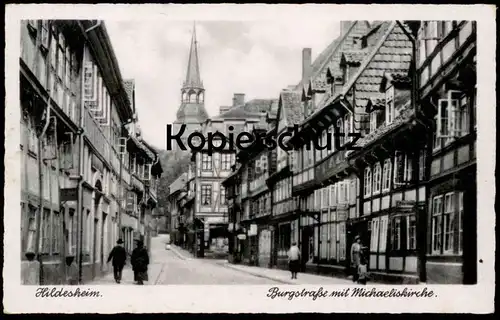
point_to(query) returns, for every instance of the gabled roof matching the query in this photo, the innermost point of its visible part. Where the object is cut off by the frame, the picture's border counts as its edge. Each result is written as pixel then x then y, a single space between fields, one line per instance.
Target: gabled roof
pixel 178 184
pixel 322 62
pixel 392 53
pixel 290 107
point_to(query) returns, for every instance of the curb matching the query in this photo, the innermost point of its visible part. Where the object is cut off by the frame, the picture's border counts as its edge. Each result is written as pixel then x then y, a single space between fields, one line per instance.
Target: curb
pixel 228 265
pixel 177 252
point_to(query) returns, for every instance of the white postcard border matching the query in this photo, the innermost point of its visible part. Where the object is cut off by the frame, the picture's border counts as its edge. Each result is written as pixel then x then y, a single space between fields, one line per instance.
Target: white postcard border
pixel 252 299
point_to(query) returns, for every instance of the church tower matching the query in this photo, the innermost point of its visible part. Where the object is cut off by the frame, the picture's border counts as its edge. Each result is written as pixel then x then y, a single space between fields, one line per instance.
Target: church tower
pixel 192 111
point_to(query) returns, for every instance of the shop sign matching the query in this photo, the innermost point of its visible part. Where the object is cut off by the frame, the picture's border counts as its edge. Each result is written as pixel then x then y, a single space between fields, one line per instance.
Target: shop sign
pixel 241 236
pixel 253 230
pixel 331 166
pixel 69 194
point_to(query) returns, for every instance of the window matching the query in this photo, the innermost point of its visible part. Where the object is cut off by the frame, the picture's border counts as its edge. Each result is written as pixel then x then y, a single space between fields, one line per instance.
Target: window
pixel 386 175
pixel 56 232
pixel 377 178
pixel 373 121
pixel 333 195
pixel 411 232
pixel 396 234
pixel 421 164
pixel 30 243
pixel 340 130
pixel 368 182
pixel 374 235
pixel 437 211
pixel 383 233
pixel 403 168
pixel 60 63
pixel 223 196
pixel 206 162
pixel 389 105
pixel 460 222
pixel 45 243
pixel 452 118
pixel 263 163
pixel 226 161
pixel 449 221
pixel 347 126
pixel 206 194
pixel 324 198
pixel 67 74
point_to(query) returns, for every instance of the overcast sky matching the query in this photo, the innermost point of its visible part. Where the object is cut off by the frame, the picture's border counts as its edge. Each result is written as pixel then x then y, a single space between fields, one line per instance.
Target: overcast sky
pixel 258 58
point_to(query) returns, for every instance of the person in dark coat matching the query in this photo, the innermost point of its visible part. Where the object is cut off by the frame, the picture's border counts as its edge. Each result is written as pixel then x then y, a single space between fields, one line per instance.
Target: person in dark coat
pixel 140 261
pixel 119 257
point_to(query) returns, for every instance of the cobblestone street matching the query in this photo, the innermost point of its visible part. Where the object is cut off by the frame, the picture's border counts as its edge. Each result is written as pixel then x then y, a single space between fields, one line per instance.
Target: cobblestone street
pixel 177 267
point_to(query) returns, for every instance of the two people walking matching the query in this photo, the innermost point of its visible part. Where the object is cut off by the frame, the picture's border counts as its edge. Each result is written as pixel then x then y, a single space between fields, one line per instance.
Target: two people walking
pixel 139 261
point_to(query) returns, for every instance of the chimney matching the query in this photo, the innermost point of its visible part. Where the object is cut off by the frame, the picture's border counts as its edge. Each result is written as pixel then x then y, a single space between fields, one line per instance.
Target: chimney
pixel 344 27
pixel 306 63
pixel 238 99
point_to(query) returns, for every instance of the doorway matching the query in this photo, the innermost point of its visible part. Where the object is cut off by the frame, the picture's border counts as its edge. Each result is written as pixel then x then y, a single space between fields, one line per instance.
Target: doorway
pixel 104 242
pixel 307 238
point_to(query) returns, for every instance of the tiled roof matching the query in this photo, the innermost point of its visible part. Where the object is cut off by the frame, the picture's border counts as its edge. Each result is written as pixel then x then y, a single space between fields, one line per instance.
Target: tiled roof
pixel 391 54
pixel 405 113
pixel 259 105
pixel 396 78
pixel 129 85
pixel 253 108
pixel 377 102
pixel 291 106
pixel 351 57
pixel 178 184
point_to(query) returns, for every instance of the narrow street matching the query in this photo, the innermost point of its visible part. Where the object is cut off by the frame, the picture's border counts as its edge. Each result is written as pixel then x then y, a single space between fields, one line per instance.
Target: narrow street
pixel 177 268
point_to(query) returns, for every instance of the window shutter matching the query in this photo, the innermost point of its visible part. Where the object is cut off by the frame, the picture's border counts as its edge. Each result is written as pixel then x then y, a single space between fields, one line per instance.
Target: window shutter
pixel 441 118
pixel 250 173
pixel 274 160
pixel 399 168
pixel 257 167
pixel 147 172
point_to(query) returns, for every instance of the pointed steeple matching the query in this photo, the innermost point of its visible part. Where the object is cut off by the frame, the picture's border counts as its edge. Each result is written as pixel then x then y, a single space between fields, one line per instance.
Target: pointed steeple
pixel 193 79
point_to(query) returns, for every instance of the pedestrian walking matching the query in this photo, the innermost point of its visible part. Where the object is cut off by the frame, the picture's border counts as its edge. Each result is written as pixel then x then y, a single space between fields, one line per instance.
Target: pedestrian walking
pixel 119 256
pixel 140 261
pixel 294 260
pixel 355 257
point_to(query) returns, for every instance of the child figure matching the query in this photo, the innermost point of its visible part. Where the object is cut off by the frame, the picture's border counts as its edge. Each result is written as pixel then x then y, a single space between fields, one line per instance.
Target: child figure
pixel 362 271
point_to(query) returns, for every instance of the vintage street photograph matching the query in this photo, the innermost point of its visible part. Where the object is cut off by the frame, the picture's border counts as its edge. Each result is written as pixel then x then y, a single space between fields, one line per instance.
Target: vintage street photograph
pixel 159 152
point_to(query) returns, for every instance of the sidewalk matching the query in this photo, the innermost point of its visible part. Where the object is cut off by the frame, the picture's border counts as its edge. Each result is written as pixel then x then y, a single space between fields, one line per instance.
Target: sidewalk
pixel 154 271
pixel 277 275
pixel 284 276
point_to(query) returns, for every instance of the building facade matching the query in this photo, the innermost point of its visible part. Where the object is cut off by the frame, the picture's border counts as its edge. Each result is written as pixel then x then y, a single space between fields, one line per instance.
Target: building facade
pixel 385 149
pixel 76 137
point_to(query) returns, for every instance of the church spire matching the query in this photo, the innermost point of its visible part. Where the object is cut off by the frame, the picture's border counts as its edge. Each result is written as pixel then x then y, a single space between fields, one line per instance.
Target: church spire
pixel 193 79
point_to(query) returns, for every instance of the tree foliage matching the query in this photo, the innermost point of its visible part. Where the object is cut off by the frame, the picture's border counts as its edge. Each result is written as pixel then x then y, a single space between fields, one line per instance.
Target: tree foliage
pixel 174 164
